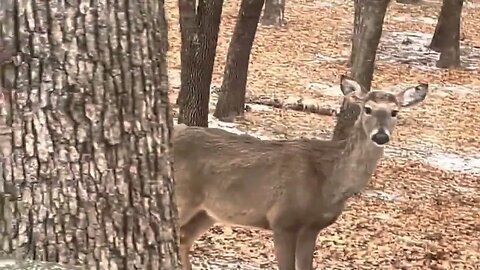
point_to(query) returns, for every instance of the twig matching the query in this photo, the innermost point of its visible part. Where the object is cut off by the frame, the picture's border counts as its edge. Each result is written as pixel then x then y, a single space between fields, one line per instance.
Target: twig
pixel 301 104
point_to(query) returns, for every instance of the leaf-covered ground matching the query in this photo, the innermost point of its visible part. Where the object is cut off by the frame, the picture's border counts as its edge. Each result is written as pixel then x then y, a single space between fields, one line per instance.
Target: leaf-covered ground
pixel 414 215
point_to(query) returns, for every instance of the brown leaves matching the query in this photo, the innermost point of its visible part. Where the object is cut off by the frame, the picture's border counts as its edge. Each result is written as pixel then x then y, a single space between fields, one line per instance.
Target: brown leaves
pixel 413 215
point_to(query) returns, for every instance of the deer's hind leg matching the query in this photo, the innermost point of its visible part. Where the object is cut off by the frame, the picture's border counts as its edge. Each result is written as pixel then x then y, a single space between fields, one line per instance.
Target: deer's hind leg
pixel 285 241
pixel 306 240
pixel 189 232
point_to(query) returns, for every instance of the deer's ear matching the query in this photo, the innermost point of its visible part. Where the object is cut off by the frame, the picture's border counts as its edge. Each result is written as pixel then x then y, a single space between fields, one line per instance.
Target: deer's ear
pixel 412 95
pixel 351 88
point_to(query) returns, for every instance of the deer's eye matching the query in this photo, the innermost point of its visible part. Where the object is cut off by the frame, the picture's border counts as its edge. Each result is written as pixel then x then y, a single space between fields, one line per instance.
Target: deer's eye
pixel 368 110
pixel 394 113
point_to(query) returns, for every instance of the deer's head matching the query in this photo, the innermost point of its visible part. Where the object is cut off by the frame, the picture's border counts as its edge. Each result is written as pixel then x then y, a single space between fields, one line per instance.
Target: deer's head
pixel 379 109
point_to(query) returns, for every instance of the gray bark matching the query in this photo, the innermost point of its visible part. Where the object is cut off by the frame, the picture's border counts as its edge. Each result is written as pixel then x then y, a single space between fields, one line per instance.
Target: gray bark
pixel 356 28
pixel 274 13
pixel 199 27
pixel 446 39
pixel 89 148
pixel 231 102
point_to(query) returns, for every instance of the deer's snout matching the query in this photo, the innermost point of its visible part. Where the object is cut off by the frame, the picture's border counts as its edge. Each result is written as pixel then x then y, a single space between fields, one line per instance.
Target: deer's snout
pixel 380 137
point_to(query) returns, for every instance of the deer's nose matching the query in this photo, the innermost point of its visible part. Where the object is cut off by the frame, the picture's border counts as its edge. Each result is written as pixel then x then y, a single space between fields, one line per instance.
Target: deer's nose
pixel 380 138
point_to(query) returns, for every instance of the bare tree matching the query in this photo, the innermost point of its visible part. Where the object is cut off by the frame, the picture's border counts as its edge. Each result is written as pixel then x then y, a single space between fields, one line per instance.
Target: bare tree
pixel 367 38
pixel 274 13
pixel 446 39
pixel 356 28
pixel 199 25
pixel 231 101
pixel 89 145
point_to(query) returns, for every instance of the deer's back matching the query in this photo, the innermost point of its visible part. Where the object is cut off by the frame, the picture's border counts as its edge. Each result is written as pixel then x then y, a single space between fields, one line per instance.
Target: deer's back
pixel 241 179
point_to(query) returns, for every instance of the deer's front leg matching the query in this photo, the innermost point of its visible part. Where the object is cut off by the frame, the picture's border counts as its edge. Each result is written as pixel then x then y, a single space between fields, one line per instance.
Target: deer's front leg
pixel 306 239
pixel 285 241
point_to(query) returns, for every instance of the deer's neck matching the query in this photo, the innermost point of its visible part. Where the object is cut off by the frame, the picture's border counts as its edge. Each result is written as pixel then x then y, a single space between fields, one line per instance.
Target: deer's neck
pixel 354 168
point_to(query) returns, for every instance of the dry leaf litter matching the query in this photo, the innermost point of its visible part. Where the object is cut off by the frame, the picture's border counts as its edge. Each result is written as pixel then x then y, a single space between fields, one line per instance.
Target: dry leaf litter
pixel 420 211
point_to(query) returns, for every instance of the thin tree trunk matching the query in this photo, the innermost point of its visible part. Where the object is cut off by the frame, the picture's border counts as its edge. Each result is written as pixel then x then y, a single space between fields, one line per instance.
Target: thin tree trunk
pixel 446 39
pixel 199 44
pixel 370 15
pixel 274 13
pixel 187 10
pixel 90 142
pixel 231 101
pixel 371 24
pixel 356 28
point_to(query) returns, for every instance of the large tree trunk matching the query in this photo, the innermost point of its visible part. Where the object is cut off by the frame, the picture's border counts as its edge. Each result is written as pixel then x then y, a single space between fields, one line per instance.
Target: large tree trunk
pixel 231 101
pixel 199 44
pixel 369 20
pixel 274 13
pixel 90 144
pixel 446 39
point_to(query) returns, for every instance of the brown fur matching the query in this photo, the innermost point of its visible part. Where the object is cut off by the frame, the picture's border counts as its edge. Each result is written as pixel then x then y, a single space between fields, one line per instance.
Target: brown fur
pixel 294 188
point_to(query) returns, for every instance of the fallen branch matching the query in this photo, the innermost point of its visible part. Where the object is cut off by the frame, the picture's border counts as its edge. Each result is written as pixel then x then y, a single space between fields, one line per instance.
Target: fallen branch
pixel 296 104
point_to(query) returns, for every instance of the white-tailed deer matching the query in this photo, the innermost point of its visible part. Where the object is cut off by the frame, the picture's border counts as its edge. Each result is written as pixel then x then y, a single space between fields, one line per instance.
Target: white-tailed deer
pixel 293 188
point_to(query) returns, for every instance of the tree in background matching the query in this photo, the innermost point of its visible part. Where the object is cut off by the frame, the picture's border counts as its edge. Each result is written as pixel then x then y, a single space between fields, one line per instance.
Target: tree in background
pixel 89 148
pixel 446 39
pixel 274 13
pixel 231 101
pixel 199 26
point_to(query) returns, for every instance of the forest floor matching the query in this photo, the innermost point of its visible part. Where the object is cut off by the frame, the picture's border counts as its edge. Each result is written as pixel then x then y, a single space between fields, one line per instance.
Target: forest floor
pixel 422 208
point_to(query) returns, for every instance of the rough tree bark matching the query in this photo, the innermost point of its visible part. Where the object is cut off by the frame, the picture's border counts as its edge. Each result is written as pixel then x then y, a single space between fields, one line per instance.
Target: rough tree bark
pixel 369 16
pixel 356 28
pixel 372 14
pixel 90 146
pixel 446 39
pixel 231 101
pixel 199 27
pixel 274 13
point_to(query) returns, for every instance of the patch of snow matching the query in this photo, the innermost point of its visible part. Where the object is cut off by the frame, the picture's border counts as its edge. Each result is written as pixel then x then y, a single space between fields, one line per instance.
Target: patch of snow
pixel 325 88
pixel 455 162
pixel 383 216
pixel 412 48
pixel 213 122
pixel 409 18
pixel 382 195
pixel 7 262
pixel 260 107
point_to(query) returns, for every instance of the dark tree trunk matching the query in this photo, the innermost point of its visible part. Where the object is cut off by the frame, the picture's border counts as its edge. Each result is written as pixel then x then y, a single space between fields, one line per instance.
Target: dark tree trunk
pixel 356 28
pixel 369 20
pixel 367 39
pixel 446 39
pixel 231 101
pixel 188 30
pixel 274 13
pixel 89 147
pixel 199 44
